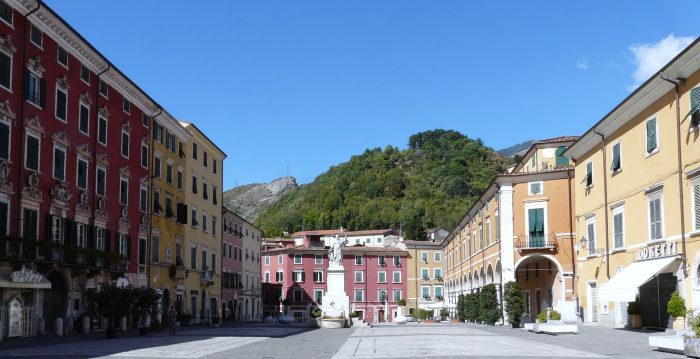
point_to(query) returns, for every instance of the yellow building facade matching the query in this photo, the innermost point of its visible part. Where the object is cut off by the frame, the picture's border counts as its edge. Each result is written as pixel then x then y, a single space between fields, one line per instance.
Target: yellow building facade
pixel 638 199
pixel 520 229
pixel 425 284
pixel 166 267
pixel 202 240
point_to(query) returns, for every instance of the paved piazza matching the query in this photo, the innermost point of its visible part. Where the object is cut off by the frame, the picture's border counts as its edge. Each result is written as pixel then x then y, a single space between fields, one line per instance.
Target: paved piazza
pixel 391 341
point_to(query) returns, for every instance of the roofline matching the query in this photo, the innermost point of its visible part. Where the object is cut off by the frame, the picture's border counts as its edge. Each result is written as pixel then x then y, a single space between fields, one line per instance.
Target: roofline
pixel 578 145
pixel 538 145
pixel 226 209
pixel 186 124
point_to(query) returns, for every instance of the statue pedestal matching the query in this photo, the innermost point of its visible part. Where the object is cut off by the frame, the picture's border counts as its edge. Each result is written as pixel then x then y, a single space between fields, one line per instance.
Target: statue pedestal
pixel 336 303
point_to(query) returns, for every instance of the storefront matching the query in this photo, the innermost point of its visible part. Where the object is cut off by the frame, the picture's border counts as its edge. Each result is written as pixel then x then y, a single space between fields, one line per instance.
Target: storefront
pixel 651 279
pixel 22 291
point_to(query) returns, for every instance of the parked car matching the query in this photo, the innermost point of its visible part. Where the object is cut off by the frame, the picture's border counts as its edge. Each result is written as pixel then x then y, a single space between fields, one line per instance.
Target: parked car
pixel 409 318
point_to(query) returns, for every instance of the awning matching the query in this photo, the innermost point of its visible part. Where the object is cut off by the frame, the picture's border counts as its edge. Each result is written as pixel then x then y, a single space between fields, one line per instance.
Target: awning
pixel 624 286
pixel 5 282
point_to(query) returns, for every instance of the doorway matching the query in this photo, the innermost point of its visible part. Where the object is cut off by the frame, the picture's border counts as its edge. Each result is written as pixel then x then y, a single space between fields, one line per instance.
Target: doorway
pixel 653 297
pixel 381 316
pixel 55 300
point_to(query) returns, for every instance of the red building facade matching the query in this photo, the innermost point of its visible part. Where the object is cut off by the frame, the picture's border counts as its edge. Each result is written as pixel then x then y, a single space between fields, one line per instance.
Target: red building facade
pixel 231 267
pixel 375 278
pixel 74 164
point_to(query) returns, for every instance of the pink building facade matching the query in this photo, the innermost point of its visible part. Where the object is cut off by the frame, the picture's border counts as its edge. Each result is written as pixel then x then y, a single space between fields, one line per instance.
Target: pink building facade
pixel 231 267
pixel 375 279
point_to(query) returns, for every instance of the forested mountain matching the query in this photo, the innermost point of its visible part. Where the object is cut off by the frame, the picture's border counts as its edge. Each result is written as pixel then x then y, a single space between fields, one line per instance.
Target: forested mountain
pixel 429 184
pixel 516 149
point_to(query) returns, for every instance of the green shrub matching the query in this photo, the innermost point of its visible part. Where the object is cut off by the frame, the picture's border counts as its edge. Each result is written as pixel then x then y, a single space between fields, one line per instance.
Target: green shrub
pixel 402 302
pixel 676 306
pixel 554 315
pixel 633 308
pixel 513 297
pixel 461 307
pixel 489 309
pixel 316 313
pixel 444 313
pixel 694 322
pixel 472 307
pixel 542 316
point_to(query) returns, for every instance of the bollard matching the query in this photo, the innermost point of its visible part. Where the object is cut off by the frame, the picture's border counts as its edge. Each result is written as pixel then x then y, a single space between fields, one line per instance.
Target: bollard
pixel 86 324
pixel 59 327
pixel 122 324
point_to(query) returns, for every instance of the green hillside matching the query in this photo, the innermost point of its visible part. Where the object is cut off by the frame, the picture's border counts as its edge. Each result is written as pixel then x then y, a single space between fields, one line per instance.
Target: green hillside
pixel 431 183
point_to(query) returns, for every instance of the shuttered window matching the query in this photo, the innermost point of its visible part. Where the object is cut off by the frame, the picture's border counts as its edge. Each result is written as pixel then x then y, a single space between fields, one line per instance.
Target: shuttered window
pixel 651 136
pixel 618 228
pixel 695 107
pixel 84 120
pixel 589 174
pixel 561 160
pixel 616 164
pixel 696 204
pixel 655 216
pixel 590 226
pixel 536 227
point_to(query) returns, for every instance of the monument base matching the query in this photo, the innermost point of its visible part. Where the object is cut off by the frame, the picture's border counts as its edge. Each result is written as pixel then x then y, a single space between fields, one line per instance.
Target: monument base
pixel 336 304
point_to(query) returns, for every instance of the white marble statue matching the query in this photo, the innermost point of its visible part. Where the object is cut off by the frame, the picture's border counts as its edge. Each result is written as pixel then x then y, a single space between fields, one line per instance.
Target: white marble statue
pixel 335 253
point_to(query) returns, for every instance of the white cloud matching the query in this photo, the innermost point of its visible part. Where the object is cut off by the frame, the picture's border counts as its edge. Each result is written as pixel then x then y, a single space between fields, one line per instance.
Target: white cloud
pixel 651 57
pixel 582 64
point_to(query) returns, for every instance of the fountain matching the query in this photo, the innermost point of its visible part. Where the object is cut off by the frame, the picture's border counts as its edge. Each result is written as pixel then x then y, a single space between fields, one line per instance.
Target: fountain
pixel 336 303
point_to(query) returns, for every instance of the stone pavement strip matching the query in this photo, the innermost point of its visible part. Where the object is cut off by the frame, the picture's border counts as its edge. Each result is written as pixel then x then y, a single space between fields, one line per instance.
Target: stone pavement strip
pixel 444 341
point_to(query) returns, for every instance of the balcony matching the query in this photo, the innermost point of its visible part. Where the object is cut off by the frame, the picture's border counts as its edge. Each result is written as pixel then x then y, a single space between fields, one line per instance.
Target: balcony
pixel 207 277
pixel 547 243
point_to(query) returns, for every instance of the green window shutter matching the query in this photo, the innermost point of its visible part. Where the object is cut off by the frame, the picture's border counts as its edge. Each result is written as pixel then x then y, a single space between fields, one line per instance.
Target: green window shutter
pixel 694 99
pixel 561 160
pixel 539 225
pixel 651 135
pixel 532 220
pixel 696 201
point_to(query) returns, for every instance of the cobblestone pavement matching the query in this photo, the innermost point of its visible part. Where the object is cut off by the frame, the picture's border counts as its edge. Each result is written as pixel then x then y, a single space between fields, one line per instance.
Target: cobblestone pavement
pixel 390 341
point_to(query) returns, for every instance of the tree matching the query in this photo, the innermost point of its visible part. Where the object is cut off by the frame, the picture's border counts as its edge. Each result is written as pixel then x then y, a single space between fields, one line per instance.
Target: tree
pixel 414 227
pixel 489 309
pixel 513 296
pixel 111 302
pixel 462 308
pixel 145 301
pixel 471 307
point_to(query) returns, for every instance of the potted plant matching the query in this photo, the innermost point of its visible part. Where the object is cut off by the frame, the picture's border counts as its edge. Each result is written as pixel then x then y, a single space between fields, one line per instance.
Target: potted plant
pixel 216 321
pixel 676 309
pixel 691 342
pixel 633 312
pixel 554 317
pixel 513 297
pixel 444 313
pixel 542 317
pixel 402 302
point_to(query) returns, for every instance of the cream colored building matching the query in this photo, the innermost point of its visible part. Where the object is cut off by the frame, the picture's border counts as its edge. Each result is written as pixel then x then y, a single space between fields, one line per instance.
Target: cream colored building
pixel 638 199
pixel 202 243
pixel 425 283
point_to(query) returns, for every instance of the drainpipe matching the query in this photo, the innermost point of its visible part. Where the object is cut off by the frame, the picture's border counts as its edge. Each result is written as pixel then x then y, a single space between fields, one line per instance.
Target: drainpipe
pixel 571 235
pixel 20 117
pixel 605 196
pixel 676 84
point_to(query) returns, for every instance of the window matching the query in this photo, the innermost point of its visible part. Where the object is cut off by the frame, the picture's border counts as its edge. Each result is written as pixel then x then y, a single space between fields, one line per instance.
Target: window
pixel 425 273
pixel 424 257
pixel 616 164
pixel 381 277
pixel 194 184
pixel 104 88
pixel 205 190
pixel 213 226
pixel 36 35
pixel 205 158
pixel 204 259
pixel 126 106
pixel 589 175
pixel 358 260
pixel 438 291
pixel 194 150
pixel 84 118
pixel 297 259
pixel 561 160
pixel 267 277
pixel 36 89
pixel 100 180
pixel 437 257
pixel 533 160
pixel 437 273
pixel 280 259
pixel 157 132
pixel 170 141
pixel 59 163
pixel 179 179
pixel 590 226
pixel 156 202
pixel 696 203
pixel 656 215
pixel 498 226
pixel 652 136
pixel 397 261
pixel 214 164
pixel 193 257
pixel 298 277
pixel 535 218
pixel 488 232
pixel 279 276
pixel 359 276
pixel 694 106
pixel 102 130
pixel 61 104
pixel 396 295
pixel 81 176
pixel 125 144
pixel 144 155
pixel 318 276
pixel 155 249
pixel 5 70
pixel 481 236
pixel 619 226
pixel 85 73
pixel 359 295
pixel 214 190
pixel 534 188
pixel 204 222
pixel 396 276
pixel 318 295
pixel 169 172
pixel 381 295
pixel 425 291
pixel 180 149
pixel 156 165
pixel 169 213
pixel 381 260
pixel 267 260
pixel 6 12
pixel 144 119
pixel 143 198
pixel 5 140
pixel 123 245
pixel 124 191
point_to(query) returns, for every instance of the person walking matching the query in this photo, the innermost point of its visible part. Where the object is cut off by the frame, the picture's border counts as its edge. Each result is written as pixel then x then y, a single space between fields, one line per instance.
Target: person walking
pixel 172 318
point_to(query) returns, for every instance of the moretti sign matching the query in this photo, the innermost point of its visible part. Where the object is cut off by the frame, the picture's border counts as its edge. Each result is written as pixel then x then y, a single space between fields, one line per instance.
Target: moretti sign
pixel 658 251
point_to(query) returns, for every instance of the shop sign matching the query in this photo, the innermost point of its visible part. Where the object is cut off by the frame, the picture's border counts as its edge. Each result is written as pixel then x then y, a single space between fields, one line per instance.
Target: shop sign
pixel 658 251
pixel 26 276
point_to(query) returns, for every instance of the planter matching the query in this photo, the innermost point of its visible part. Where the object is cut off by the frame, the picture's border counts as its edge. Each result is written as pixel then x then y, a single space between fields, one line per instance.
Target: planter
pixel 515 325
pixel 691 347
pixel 678 323
pixel 554 321
pixel 635 321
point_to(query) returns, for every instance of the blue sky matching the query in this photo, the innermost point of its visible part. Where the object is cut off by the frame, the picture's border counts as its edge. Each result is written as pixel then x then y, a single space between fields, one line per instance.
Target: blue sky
pixel 300 86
